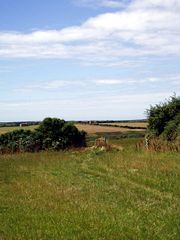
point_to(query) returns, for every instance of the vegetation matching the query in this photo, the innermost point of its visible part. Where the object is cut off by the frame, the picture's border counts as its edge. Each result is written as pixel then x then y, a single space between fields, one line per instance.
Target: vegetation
pixel 16 124
pixel 122 126
pixel 52 133
pixel 91 129
pixel 164 119
pixel 90 194
pixel 6 129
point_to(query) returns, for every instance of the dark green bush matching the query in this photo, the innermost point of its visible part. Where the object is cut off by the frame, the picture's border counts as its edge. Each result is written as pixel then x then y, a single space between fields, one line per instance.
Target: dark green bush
pixel 17 141
pixel 52 133
pixel 171 130
pixel 164 119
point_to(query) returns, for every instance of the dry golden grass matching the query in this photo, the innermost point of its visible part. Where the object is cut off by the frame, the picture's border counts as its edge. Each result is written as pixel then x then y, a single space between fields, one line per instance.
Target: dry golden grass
pixel 90 129
pixel 10 129
pixel 129 124
pixel 103 129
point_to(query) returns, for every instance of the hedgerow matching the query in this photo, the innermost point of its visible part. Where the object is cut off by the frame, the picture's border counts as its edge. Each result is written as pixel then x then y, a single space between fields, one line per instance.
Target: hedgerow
pixel 164 119
pixel 52 133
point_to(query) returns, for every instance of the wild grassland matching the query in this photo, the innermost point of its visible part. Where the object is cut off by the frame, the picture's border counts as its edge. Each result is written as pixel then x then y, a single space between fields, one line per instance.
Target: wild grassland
pixel 91 129
pixel 10 129
pixel 90 194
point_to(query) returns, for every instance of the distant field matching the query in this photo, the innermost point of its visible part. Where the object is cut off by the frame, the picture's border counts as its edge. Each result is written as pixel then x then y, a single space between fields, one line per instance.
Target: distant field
pixel 130 124
pixel 103 129
pixel 90 195
pixel 90 129
pixel 9 129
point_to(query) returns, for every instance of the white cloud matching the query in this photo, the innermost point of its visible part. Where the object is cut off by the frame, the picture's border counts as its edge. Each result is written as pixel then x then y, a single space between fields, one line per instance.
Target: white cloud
pixel 156 4
pixel 118 81
pixel 49 85
pixel 54 85
pixel 144 28
pixel 102 3
pixel 113 3
pixel 109 81
pixel 175 79
pixel 87 108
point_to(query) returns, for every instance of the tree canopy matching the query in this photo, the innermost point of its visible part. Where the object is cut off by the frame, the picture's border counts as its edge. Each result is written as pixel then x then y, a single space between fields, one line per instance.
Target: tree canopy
pixel 164 119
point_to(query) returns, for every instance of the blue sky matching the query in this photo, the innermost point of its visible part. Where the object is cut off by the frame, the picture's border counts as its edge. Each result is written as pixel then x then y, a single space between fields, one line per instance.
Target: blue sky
pixel 87 59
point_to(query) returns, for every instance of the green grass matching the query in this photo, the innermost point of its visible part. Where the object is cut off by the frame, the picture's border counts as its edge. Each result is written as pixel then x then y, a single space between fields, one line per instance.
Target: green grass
pixel 90 195
pixel 10 129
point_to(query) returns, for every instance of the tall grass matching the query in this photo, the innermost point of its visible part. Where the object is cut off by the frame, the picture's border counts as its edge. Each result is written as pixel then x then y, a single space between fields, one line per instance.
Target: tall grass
pixel 159 145
pixel 90 194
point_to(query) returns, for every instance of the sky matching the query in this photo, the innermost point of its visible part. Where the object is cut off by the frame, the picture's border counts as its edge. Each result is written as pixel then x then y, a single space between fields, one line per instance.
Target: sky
pixel 87 59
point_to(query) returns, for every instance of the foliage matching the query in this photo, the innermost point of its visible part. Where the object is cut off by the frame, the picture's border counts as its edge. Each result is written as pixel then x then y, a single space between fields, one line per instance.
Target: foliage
pixel 164 119
pixel 172 129
pixel 52 133
pixel 159 145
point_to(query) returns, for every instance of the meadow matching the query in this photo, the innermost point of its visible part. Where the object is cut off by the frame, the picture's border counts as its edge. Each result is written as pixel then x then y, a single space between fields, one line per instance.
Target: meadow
pixel 10 129
pixel 90 194
pixel 90 129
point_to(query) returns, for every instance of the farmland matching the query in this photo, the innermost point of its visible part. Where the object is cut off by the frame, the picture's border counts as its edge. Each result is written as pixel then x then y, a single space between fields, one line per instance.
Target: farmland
pixel 101 129
pixel 89 128
pixel 90 120
pixel 10 129
pixel 90 194
pixel 129 124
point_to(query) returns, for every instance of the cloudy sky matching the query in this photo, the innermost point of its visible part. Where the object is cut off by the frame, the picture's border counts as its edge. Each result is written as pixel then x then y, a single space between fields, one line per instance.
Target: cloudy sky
pixel 87 59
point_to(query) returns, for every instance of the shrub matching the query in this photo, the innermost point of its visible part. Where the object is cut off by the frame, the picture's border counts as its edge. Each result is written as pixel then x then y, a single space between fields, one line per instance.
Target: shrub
pixel 73 136
pixel 58 134
pixel 17 141
pixel 52 133
pixel 51 128
pixel 164 119
pixel 172 129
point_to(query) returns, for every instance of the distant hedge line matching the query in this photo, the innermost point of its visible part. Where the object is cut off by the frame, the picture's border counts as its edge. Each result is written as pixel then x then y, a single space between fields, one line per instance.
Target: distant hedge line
pixel 16 124
pixel 113 125
pixel 52 133
pixel 124 126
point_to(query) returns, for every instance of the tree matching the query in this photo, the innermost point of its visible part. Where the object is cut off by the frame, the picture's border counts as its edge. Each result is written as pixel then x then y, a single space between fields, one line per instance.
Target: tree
pixel 172 129
pixel 73 136
pixel 164 118
pixel 51 128
pixel 53 133
pixel 59 134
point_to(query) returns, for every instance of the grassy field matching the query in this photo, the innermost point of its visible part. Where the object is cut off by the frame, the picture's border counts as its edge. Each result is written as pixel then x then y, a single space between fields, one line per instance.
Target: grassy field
pixel 91 129
pixel 9 129
pixel 90 194
pixel 102 129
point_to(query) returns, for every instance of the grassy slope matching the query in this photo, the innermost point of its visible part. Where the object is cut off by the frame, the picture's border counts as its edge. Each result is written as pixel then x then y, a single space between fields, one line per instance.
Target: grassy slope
pixel 90 195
